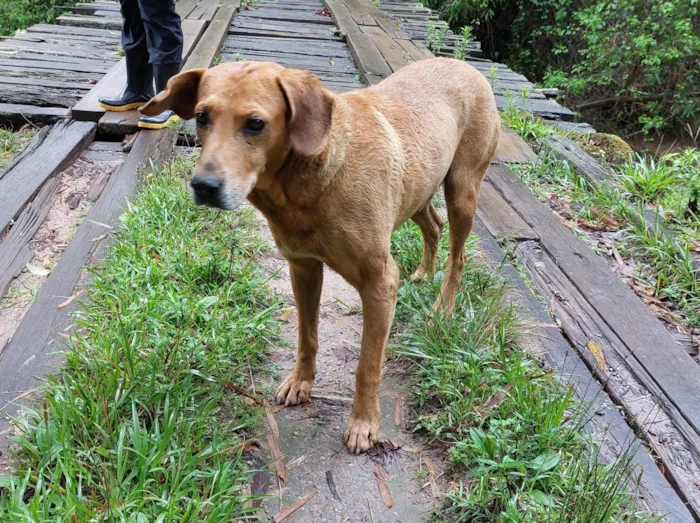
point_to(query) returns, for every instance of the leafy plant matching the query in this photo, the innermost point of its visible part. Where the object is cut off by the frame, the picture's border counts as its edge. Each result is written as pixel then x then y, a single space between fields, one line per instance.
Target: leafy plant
pixel 436 36
pixel 461 51
pixel 20 14
pixel 527 125
pixel 647 179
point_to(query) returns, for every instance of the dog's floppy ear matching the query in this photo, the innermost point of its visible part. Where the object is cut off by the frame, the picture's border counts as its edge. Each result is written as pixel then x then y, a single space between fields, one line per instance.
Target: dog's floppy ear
pixel 310 111
pixel 180 95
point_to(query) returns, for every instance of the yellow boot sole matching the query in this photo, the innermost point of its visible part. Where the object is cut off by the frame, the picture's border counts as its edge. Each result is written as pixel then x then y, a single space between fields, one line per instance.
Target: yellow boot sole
pixel 146 125
pixel 121 108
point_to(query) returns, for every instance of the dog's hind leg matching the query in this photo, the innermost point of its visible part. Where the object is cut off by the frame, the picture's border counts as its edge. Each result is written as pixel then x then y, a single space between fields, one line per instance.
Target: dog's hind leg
pixel 307 280
pixel 461 192
pixel 431 226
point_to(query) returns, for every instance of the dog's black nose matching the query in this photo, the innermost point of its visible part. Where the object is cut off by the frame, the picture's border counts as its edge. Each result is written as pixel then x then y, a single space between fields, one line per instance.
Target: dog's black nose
pixel 206 184
pixel 206 189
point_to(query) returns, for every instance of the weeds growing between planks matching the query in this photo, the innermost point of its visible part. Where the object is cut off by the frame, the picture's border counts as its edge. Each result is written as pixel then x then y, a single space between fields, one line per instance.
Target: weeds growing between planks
pixel 138 425
pixel 12 142
pixel 515 438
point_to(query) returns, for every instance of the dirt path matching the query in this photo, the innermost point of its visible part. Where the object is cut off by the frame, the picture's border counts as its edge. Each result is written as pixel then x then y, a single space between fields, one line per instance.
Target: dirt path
pixel 311 435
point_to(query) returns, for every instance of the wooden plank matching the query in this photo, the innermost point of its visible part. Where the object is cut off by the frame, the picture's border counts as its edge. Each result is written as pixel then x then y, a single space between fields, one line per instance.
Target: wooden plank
pixel 512 149
pixel 301 36
pixel 54 66
pixel 34 350
pixel 204 10
pixel 14 249
pixel 359 13
pixel 649 343
pixel 19 185
pixel 88 108
pixel 368 58
pixel 283 27
pixel 393 53
pixel 544 108
pixel 93 22
pixel 185 7
pixel 337 63
pixel 582 162
pixel 16 114
pixel 614 434
pixel 287 15
pixel 382 20
pixel 583 326
pixel 323 65
pixel 237 44
pixel 28 149
pixel 72 30
pixel 500 219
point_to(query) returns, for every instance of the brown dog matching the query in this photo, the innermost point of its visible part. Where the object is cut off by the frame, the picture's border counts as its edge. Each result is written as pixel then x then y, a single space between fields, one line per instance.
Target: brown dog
pixel 334 175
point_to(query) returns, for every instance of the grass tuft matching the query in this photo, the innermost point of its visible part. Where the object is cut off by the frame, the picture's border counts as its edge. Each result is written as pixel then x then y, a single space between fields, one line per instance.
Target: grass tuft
pixel 12 142
pixel 515 438
pixel 138 426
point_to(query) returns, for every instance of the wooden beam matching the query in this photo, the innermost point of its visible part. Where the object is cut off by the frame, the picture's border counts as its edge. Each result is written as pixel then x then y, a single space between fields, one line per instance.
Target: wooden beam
pixel 88 108
pixel 582 162
pixel 512 149
pixel 18 114
pixel 649 345
pixel 60 147
pixel 606 422
pixel 34 350
pixel 498 217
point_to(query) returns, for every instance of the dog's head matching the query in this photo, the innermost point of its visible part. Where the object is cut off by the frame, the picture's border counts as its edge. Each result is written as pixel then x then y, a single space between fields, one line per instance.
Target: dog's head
pixel 250 115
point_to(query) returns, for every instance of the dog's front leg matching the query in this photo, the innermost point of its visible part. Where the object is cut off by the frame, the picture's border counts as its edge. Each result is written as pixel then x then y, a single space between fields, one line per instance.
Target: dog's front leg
pixel 307 280
pixel 378 295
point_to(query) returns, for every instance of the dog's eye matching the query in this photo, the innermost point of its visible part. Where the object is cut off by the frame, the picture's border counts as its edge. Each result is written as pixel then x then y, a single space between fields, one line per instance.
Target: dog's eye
pixel 202 118
pixel 254 126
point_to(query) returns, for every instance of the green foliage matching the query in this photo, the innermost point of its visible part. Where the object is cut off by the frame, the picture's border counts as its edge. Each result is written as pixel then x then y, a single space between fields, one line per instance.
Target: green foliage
pixel 138 425
pixel 527 125
pixel 634 60
pixel 436 36
pixel 461 51
pixel 514 436
pixel 20 14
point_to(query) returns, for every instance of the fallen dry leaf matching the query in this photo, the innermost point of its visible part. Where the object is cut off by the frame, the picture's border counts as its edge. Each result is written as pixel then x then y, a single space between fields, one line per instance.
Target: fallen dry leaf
pixel 289 510
pixel 277 407
pixel 597 352
pixel 278 463
pixel 98 238
pixel 69 300
pixel 331 484
pixel 287 313
pixel 384 489
pixel 251 400
pixel 495 400
pixel 434 489
pixel 37 271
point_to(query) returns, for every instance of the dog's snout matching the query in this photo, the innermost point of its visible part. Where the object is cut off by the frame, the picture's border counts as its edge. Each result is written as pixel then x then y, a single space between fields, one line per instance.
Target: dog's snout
pixel 207 190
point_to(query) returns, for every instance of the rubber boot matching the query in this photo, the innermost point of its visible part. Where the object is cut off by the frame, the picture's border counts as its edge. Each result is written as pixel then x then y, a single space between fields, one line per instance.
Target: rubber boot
pixel 163 73
pixel 139 87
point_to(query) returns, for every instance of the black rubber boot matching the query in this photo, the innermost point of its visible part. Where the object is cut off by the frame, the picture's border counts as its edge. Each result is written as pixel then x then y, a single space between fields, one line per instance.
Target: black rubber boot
pixel 139 87
pixel 163 73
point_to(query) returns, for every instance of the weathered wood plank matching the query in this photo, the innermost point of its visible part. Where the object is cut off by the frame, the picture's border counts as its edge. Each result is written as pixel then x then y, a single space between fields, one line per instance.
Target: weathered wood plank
pixel 35 65
pixel 544 108
pixel 583 325
pixel 605 420
pixel 72 30
pixel 15 114
pixel 500 219
pixel 93 22
pixel 393 53
pixel 88 108
pixel 236 44
pixel 287 15
pixel 359 13
pixel 302 36
pixel 14 249
pixel 582 162
pixel 204 10
pixel 34 350
pixel 19 185
pixel 648 341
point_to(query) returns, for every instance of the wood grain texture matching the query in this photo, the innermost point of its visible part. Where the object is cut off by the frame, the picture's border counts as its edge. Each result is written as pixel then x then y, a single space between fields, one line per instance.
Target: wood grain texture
pixel 648 341
pixel 34 350
pixel 513 149
pixel 606 421
pixel 582 162
pixel 14 249
pixel 500 219
pixel 19 114
pixel 624 379
pixel 19 185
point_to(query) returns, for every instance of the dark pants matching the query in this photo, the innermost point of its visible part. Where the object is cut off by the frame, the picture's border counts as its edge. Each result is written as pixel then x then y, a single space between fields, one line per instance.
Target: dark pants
pixel 152 31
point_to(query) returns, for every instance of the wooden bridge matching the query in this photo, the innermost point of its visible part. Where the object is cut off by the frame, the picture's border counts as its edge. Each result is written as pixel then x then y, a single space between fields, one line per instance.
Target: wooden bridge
pixel 86 162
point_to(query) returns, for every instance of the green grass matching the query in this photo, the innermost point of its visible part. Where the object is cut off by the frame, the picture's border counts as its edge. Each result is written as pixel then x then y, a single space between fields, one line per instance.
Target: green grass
pixel 138 425
pixel 514 436
pixel 11 142
pixel 666 261
pixel 527 125
pixel 20 14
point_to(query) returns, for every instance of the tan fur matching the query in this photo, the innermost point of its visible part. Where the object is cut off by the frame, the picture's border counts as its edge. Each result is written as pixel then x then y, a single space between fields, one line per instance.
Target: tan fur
pixel 335 174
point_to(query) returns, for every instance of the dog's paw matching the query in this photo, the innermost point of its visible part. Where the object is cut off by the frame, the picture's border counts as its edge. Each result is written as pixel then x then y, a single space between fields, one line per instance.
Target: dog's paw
pixel 294 390
pixel 419 276
pixel 361 432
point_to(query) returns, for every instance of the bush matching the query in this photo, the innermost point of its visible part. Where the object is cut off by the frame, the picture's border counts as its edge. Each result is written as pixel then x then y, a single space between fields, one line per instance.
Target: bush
pixel 20 14
pixel 632 63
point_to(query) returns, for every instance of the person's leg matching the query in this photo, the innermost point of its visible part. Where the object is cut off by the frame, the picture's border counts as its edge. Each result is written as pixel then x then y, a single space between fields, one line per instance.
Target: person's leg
pixel 164 40
pixel 139 72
